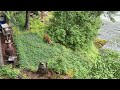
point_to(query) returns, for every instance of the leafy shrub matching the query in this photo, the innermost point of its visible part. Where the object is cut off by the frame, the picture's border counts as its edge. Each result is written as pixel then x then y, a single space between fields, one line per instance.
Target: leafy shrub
pixel 9 72
pixel 107 66
pixel 75 64
pixel 31 50
pixel 74 29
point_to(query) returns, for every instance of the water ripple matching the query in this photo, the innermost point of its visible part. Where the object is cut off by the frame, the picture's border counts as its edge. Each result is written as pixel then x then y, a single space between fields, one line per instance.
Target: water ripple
pixel 110 31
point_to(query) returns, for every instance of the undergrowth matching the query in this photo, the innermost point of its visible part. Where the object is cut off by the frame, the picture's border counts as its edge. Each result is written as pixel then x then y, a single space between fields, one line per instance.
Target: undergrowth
pixel 77 64
pixel 8 72
pixel 107 67
pixel 32 49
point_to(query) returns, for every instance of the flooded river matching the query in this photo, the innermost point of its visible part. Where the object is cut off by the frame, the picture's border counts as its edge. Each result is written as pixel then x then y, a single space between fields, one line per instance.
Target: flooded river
pixel 111 32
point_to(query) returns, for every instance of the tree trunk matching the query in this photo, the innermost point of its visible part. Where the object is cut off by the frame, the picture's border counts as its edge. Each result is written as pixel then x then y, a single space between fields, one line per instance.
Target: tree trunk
pixel 27 23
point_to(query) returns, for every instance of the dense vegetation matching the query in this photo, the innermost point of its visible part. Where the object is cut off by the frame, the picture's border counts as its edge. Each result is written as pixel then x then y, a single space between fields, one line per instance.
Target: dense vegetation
pixel 8 72
pixel 72 53
pixel 74 29
pixel 107 66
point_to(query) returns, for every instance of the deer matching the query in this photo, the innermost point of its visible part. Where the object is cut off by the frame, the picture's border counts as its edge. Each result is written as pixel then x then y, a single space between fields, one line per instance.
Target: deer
pixel 47 38
pixel 9 51
pixel 43 14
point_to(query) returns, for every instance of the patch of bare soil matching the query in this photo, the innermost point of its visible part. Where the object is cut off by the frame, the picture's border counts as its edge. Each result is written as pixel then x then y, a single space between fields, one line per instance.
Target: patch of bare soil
pixel 50 75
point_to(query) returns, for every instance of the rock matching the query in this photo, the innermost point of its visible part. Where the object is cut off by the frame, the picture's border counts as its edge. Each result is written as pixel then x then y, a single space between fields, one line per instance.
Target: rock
pixel 42 69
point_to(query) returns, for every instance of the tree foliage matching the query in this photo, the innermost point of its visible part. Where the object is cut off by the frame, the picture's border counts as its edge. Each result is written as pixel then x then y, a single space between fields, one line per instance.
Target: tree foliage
pixel 74 29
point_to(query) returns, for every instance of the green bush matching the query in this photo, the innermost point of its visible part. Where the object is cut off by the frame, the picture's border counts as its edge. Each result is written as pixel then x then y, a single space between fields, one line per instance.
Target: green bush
pixel 75 64
pixel 74 29
pixel 107 66
pixel 9 72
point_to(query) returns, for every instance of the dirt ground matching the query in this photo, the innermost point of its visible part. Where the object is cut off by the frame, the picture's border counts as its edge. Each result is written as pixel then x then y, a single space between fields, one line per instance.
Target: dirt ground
pixel 50 75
